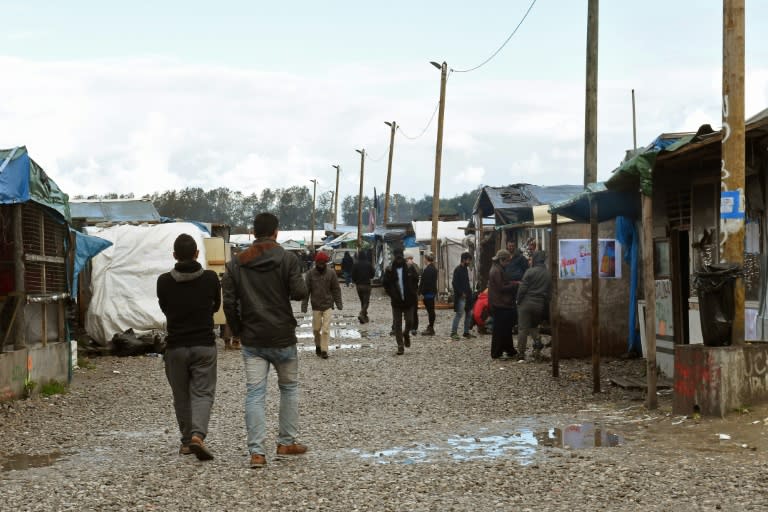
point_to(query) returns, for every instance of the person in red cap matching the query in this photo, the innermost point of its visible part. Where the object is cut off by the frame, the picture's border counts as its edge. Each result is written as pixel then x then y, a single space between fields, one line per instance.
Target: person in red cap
pixel 324 292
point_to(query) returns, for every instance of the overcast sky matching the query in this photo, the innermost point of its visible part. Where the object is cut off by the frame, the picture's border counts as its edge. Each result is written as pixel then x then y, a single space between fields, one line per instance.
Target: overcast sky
pixel 148 96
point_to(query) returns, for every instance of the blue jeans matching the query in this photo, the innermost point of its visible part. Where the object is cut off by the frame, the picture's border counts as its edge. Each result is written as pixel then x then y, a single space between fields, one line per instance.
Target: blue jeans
pixel 459 307
pixel 286 363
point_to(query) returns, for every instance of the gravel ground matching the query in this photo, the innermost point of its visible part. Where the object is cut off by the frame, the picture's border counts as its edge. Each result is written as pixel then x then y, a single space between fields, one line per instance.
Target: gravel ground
pixel 442 427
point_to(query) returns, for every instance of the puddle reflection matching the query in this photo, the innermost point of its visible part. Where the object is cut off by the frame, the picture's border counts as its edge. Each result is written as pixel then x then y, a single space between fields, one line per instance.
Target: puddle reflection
pixel 352 334
pixel 522 445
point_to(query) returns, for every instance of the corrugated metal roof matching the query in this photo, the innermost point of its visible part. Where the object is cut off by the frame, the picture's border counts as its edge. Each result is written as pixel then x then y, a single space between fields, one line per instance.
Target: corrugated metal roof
pixel 114 210
pixel 514 203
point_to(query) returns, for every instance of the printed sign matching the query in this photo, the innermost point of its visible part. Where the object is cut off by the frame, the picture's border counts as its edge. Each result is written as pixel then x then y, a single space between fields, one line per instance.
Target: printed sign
pixel 731 206
pixel 575 258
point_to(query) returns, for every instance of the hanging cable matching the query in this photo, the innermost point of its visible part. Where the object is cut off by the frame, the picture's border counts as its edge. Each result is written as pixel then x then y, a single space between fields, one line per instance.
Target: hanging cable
pixel 486 61
pixel 376 159
pixel 431 118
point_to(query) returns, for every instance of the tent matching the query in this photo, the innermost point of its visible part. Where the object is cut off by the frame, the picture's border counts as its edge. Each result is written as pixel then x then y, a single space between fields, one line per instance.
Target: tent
pixel 124 277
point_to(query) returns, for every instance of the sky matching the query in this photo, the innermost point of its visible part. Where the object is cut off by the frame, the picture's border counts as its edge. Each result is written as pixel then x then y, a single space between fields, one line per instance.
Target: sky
pixel 144 97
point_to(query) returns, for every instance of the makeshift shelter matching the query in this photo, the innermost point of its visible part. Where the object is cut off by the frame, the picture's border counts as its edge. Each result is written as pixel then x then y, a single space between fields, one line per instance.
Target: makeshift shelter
pixel 451 242
pixel 90 212
pixel 511 205
pixel 39 258
pixel 124 277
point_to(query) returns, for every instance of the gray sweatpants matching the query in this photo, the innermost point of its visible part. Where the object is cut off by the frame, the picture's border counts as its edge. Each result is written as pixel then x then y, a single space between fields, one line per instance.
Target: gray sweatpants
pixel 191 372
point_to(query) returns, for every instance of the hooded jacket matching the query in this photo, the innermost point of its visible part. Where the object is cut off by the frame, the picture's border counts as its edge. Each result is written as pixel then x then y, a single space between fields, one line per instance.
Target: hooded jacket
pixel 258 287
pixel 363 272
pixel 189 296
pixel 501 293
pixel 536 284
pixel 410 283
pixel 323 290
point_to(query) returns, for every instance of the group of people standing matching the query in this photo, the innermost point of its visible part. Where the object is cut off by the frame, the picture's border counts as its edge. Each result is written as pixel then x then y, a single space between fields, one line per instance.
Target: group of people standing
pixel 518 297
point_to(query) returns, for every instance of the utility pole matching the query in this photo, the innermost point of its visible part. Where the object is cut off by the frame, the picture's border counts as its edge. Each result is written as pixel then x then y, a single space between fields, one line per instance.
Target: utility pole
pixel 393 126
pixel 360 201
pixel 332 196
pixel 336 197
pixel 590 176
pixel 314 195
pixel 438 153
pixel 732 181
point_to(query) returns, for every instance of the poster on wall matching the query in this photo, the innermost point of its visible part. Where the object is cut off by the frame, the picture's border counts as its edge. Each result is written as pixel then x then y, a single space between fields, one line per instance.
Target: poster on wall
pixel 664 311
pixel 576 258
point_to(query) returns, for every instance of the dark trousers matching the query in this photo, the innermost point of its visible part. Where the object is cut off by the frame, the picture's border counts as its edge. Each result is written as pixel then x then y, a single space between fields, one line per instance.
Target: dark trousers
pixel 429 305
pixel 191 373
pixel 364 294
pixel 501 338
pixel 398 315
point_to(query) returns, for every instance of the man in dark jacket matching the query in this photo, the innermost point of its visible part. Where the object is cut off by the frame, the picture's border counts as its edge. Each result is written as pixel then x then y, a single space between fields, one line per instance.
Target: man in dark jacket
pixel 501 299
pixel 401 283
pixel 258 287
pixel 462 296
pixel 189 296
pixel 362 273
pixel 428 290
pixel 346 268
pixel 513 273
pixel 532 299
pixel 323 288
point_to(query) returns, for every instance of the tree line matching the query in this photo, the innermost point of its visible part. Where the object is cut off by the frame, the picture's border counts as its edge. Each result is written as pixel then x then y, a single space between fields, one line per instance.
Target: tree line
pixel 293 205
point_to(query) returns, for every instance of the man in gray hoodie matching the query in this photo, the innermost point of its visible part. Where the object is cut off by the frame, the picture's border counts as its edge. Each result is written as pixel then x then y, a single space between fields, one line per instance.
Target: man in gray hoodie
pixel 258 286
pixel 532 299
pixel 324 290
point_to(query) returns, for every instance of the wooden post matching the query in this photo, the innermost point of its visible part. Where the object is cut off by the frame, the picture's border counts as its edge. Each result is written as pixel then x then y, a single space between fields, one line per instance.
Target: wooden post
pixel 590 176
pixel 649 285
pixel 732 181
pixel 360 201
pixel 336 197
pixel 554 309
pixel 393 126
pixel 314 195
pixel 438 153
pixel 634 122
pixel 594 260
pixel 20 332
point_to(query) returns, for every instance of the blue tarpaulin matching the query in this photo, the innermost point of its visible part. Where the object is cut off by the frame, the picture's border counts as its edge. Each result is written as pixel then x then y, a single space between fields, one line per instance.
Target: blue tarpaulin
pixel 86 247
pixel 629 238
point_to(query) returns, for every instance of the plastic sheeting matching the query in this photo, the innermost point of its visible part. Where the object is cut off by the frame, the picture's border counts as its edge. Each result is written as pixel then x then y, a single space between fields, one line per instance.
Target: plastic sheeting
pixel 124 277
pixel 86 247
pixel 629 238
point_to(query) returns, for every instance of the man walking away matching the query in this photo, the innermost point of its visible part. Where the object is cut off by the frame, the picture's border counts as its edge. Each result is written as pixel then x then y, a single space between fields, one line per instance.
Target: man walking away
pixel 532 299
pixel 362 273
pixel 415 309
pixel 462 296
pixel 324 290
pixel 428 290
pixel 502 301
pixel 346 268
pixel 189 296
pixel 401 283
pixel 258 287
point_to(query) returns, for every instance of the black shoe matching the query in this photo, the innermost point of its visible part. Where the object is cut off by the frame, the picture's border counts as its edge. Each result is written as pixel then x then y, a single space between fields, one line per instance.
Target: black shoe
pixel 407 341
pixel 428 332
pixel 400 350
pixel 414 332
pixel 469 335
pixel 324 354
pixel 391 333
pixel 317 351
pixel 537 345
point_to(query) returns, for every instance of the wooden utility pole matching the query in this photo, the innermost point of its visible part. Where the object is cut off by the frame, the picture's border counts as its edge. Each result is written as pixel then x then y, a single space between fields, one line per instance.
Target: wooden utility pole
pixel 732 181
pixel 590 176
pixel 554 311
pixel 20 331
pixel 336 197
pixel 360 201
pixel 393 126
pixel 438 153
pixel 314 195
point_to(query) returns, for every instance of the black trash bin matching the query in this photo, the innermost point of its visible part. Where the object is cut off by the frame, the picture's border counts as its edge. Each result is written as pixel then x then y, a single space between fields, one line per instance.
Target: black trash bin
pixel 714 287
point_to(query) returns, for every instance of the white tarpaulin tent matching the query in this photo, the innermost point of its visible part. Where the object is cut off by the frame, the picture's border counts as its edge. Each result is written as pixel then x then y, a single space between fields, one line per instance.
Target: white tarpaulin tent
pixel 453 229
pixel 451 243
pixel 124 277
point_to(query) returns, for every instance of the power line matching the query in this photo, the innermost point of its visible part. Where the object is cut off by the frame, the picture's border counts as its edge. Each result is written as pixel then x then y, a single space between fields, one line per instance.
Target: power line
pixel 486 61
pixel 431 118
pixel 376 159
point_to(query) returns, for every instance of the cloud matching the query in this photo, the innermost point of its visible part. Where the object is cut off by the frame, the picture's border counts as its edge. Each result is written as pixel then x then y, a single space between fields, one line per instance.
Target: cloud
pixel 469 176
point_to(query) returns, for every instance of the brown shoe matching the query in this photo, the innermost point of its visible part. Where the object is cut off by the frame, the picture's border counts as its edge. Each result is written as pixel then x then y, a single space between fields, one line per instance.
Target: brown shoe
pixel 291 449
pixel 258 461
pixel 201 451
pixel 184 449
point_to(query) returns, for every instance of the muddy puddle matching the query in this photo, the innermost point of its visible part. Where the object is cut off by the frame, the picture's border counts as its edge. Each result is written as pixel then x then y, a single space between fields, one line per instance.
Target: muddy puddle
pixel 523 445
pixel 22 461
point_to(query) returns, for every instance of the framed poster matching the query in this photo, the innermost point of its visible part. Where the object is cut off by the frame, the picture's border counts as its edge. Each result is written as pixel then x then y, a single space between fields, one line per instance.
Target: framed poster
pixel 575 258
